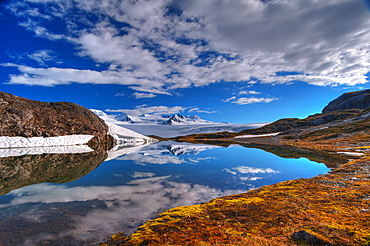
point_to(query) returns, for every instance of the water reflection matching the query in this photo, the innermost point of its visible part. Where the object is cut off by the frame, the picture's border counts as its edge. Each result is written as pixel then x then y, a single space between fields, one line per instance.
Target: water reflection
pixel 133 186
pixel 22 170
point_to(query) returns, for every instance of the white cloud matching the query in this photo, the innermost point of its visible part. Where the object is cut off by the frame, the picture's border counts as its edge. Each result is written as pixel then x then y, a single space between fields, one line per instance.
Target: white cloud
pixel 142 174
pixel 42 56
pixel 144 95
pixel 198 110
pixel 249 92
pixel 229 99
pixel 159 111
pixel 153 110
pixel 154 51
pixel 242 171
pixel 246 169
pixel 251 100
pixel 120 95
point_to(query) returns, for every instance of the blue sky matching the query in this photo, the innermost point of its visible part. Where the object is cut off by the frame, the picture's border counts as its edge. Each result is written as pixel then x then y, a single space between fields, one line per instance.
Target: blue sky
pixel 239 61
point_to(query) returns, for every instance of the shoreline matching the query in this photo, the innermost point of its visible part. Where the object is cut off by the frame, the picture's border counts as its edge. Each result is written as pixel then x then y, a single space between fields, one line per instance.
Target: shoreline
pixel 329 209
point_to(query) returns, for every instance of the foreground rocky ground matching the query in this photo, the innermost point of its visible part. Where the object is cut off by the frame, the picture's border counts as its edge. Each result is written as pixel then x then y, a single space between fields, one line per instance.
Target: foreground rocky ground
pixel 331 209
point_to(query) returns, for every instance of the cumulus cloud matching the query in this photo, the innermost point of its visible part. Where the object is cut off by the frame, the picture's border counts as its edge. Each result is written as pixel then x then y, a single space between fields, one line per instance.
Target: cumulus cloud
pixel 161 45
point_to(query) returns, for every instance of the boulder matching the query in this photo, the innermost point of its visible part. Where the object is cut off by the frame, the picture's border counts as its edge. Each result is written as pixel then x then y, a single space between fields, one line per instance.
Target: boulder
pixel 28 118
pixel 308 238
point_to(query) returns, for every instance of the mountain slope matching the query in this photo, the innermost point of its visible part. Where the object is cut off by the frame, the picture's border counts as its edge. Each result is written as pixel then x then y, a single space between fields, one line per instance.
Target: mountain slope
pixel 352 100
pixel 344 116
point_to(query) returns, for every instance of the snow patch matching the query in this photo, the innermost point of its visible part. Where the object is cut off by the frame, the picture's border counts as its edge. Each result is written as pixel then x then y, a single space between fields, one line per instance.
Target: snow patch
pixel 78 149
pixel 123 135
pixel 22 142
pixel 351 153
pixel 258 136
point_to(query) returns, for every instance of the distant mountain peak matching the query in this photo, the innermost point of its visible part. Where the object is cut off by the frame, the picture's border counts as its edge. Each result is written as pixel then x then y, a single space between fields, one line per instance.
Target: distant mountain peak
pixel 124 117
pixel 154 119
pixel 178 119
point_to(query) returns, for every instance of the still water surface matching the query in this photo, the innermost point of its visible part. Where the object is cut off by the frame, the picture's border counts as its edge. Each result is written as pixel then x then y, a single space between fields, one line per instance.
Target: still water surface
pixel 125 191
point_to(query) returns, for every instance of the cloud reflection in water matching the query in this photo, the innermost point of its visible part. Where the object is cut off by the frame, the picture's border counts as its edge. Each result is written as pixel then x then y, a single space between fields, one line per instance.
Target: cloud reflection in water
pixel 124 192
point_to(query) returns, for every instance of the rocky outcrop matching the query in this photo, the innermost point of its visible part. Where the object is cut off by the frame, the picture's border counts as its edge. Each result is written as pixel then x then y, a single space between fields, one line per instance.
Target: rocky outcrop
pixel 27 118
pixel 348 114
pixel 352 100
pixel 293 124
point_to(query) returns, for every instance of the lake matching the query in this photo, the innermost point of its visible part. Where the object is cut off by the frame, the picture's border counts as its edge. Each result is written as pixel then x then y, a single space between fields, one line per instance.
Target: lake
pixel 80 199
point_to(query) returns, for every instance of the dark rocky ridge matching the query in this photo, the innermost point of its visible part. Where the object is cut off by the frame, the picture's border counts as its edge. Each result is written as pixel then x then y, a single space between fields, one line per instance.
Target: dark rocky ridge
pixel 348 114
pixel 28 118
pixel 351 100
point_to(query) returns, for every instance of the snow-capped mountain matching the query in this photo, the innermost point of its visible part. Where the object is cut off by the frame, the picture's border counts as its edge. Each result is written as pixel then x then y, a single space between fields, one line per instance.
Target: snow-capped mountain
pixel 179 119
pixel 171 126
pixel 153 119
pixel 124 117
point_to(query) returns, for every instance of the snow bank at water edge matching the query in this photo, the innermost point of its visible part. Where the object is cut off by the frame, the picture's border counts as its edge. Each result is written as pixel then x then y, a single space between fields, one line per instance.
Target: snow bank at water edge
pixel 22 142
pixel 123 135
pixel 77 149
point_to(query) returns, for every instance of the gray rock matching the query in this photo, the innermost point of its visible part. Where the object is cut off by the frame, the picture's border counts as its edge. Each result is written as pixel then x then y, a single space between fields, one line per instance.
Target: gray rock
pixel 352 100
pixel 306 237
pixel 28 118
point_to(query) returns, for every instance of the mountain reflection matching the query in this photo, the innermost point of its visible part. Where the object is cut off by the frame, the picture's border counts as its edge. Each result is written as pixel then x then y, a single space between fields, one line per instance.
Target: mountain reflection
pixel 131 186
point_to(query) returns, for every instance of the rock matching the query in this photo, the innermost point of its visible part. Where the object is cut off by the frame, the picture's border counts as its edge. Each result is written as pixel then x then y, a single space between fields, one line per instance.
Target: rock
pixel 306 237
pixel 27 118
pixel 352 100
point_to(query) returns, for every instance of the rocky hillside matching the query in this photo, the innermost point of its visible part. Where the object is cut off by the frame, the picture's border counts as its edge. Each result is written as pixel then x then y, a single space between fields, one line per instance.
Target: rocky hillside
pixel 352 100
pixel 346 115
pixel 27 118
